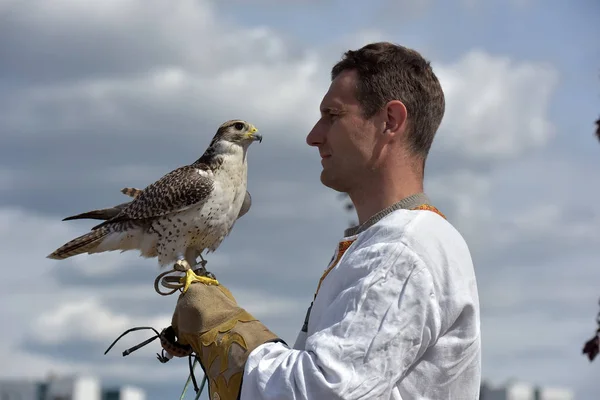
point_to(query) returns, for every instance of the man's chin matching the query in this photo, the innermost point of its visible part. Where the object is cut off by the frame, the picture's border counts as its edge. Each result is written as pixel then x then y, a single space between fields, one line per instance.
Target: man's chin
pixel 331 183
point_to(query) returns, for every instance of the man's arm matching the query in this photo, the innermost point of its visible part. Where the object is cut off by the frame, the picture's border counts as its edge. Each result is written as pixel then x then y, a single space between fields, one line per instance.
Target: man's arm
pixel 369 336
pixel 361 342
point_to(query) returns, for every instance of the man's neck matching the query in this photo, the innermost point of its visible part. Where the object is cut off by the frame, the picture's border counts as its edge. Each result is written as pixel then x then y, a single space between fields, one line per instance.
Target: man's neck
pixel 378 194
pixel 407 203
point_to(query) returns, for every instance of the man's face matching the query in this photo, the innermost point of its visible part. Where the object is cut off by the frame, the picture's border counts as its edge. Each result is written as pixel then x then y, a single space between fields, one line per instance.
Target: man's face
pixel 345 139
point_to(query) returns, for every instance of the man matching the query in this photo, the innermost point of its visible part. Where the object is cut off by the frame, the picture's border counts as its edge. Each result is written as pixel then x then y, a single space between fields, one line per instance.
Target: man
pixel 396 313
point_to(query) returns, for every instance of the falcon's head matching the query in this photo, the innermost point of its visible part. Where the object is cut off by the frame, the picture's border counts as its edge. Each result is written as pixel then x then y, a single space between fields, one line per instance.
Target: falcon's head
pixel 237 131
pixel 231 140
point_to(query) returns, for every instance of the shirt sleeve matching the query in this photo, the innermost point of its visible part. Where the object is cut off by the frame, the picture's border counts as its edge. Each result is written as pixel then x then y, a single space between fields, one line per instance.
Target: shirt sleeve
pixel 366 340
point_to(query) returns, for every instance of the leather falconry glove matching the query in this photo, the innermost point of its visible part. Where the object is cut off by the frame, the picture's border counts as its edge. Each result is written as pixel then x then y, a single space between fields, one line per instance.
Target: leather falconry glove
pixel 208 319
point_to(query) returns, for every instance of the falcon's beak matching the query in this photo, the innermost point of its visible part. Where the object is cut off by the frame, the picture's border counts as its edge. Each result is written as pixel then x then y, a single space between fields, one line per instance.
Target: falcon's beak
pixel 253 135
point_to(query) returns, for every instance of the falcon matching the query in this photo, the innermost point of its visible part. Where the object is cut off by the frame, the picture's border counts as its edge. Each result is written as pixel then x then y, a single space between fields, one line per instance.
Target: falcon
pixel 189 210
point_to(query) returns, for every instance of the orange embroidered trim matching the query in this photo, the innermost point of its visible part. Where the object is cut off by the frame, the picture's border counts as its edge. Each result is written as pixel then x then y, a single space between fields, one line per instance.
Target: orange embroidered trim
pixel 345 244
pixel 342 247
pixel 429 208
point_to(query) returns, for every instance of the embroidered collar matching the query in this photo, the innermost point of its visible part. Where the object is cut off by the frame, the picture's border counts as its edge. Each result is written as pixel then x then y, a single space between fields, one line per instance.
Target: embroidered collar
pixel 406 203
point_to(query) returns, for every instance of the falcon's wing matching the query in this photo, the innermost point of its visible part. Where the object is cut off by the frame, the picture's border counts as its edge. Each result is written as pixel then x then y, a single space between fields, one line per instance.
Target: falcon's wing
pixel 131 192
pixel 176 191
pixel 245 205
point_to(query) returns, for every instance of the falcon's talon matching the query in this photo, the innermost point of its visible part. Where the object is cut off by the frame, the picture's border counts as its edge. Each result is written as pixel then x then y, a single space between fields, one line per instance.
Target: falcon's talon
pixel 191 277
pixel 202 271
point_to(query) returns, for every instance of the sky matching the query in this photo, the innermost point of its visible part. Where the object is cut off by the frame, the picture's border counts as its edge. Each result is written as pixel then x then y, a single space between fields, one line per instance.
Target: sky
pixel 97 96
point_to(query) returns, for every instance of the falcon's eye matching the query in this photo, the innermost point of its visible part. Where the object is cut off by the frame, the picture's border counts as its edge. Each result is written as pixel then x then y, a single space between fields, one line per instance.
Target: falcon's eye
pixel 239 126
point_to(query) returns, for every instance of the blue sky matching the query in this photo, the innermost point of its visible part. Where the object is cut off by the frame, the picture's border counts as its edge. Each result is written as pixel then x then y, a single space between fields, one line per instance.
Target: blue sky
pixel 111 94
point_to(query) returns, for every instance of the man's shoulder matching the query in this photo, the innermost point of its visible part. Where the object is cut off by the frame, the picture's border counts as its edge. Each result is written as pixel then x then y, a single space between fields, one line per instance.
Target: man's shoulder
pixel 410 226
pixel 429 228
pixel 422 233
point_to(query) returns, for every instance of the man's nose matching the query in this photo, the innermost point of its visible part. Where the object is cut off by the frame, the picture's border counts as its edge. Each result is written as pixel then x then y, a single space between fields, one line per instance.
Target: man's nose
pixel 316 135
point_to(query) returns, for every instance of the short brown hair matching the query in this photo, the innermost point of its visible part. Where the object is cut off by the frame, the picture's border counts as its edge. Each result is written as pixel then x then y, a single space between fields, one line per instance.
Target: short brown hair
pixel 387 72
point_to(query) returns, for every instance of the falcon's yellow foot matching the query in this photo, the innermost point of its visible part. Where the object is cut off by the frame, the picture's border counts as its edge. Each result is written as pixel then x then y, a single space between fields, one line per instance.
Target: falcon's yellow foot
pixel 190 277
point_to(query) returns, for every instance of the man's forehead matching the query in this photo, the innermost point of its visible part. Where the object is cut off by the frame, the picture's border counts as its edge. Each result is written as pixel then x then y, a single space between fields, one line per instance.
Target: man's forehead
pixel 342 91
pixel 331 101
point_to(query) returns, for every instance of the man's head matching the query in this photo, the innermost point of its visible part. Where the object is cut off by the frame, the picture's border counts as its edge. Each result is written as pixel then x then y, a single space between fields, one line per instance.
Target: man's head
pixel 383 108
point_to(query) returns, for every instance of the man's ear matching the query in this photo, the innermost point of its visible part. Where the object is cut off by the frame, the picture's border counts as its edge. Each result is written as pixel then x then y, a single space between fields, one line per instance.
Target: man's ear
pixel 396 118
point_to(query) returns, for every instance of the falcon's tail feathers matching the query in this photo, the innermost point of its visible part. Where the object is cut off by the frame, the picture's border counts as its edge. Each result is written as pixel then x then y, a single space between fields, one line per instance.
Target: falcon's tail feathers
pixel 82 244
pixel 102 213
pixel 110 212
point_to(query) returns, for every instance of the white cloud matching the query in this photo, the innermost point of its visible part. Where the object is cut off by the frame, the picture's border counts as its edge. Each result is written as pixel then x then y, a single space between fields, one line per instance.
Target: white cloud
pixel 26 235
pixel 88 319
pixel 501 219
pixel 550 222
pixel 497 108
pixel 264 94
pixel 465 193
pixel 218 69
pixel 185 67
pixel 291 200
